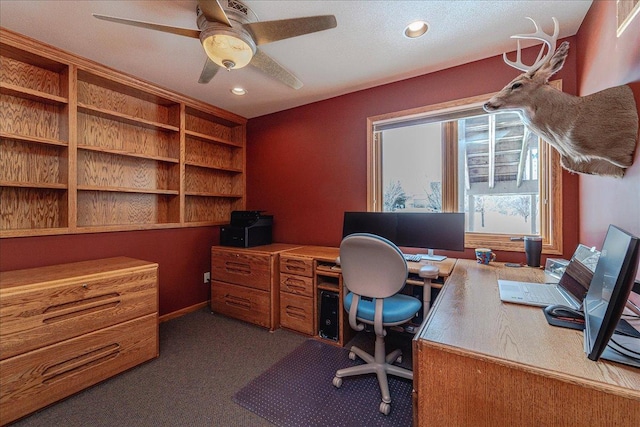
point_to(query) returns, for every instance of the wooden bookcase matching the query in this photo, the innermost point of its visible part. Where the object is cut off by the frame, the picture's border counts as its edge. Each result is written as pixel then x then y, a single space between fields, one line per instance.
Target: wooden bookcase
pixel 88 149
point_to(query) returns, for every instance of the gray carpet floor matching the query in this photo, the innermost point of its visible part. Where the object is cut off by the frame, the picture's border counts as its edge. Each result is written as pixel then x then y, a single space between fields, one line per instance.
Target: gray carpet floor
pixel 204 360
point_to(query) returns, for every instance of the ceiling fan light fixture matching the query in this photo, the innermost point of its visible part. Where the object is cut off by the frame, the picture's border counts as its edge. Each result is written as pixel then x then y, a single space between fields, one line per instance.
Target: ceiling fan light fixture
pixel 416 29
pixel 229 48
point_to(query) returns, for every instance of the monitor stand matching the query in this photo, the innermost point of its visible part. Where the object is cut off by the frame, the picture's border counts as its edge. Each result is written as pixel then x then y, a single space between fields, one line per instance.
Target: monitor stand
pixel 429 256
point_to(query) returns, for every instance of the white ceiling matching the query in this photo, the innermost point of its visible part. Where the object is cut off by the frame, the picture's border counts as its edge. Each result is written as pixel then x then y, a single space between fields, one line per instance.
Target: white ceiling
pixel 366 49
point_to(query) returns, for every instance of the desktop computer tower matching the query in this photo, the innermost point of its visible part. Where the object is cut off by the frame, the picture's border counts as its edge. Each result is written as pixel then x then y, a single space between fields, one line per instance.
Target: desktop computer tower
pixel 329 315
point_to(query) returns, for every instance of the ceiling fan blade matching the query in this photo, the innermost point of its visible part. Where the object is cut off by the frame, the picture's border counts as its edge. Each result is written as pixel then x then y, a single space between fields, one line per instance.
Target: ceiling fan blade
pixel 164 28
pixel 212 10
pixel 271 31
pixel 210 69
pixel 270 67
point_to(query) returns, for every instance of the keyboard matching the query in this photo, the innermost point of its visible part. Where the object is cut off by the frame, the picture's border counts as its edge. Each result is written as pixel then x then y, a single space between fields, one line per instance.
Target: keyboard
pixel 412 257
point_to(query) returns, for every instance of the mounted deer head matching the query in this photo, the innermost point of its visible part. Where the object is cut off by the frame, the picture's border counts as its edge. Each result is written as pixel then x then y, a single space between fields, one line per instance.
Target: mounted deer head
pixel 594 134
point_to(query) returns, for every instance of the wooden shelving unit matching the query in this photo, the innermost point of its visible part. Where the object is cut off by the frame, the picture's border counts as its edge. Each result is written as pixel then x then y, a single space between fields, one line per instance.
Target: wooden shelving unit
pixel 88 149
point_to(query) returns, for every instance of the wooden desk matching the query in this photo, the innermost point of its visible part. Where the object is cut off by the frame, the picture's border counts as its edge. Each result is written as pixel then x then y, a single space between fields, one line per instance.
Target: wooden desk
pixel 478 361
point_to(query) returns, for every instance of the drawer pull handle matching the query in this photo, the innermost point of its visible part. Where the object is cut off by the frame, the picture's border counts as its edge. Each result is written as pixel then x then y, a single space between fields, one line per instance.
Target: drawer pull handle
pixel 296 288
pixel 56 313
pixel 296 312
pixel 238 268
pixel 237 302
pixel 80 362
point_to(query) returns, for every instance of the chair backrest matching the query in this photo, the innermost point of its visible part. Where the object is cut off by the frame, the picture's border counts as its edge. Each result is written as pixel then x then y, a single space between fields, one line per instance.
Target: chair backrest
pixel 372 266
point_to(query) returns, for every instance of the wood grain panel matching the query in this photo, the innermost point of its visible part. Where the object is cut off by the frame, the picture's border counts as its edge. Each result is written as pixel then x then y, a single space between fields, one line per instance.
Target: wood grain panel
pixel 212 181
pixel 211 154
pixel 207 209
pixel 29 118
pixel 110 170
pixel 32 163
pixel 121 102
pixel 208 127
pixel 101 132
pixel 30 76
pixel 28 208
pixel 96 208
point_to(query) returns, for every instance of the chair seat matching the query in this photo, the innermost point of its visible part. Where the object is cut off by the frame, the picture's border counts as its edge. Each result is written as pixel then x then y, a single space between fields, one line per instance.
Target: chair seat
pixel 396 309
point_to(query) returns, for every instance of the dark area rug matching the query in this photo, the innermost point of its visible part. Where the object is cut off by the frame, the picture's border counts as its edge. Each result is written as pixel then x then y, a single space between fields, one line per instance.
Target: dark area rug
pixel 298 391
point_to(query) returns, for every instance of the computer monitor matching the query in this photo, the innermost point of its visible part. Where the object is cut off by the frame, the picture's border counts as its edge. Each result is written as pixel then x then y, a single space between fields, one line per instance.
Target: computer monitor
pixel 425 230
pixel 609 290
pixel 382 224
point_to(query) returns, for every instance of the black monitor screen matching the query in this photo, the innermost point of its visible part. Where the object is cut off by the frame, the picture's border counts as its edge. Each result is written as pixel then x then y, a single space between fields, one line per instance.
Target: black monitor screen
pixel 431 230
pixel 609 289
pixel 382 224
pixel 428 230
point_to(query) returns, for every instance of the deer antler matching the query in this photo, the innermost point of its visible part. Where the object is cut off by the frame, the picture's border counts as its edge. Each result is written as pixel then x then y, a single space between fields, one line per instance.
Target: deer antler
pixel 548 40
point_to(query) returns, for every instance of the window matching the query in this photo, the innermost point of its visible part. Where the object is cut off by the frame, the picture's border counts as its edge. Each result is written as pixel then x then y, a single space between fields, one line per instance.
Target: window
pixel 455 157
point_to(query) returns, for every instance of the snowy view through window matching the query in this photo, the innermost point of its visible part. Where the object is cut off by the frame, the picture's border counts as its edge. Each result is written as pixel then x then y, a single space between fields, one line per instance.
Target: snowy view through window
pixel 497 172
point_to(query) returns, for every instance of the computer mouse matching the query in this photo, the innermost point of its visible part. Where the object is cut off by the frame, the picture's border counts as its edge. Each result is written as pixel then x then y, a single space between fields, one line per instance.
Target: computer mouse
pixel 563 311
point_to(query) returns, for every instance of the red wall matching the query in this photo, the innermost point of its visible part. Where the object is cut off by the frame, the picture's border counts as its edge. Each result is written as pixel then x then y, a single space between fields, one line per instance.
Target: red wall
pixel 307 165
pixel 182 254
pixel 604 61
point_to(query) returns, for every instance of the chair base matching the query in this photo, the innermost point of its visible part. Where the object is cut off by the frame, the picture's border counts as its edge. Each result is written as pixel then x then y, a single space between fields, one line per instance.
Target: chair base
pixel 379 364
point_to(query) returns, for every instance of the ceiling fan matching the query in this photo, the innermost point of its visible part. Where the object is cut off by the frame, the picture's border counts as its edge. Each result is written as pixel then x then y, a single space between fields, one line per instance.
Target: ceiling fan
pixel 230 38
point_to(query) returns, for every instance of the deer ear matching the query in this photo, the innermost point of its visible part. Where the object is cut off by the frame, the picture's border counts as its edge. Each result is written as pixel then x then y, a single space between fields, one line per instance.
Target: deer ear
pixel 554 64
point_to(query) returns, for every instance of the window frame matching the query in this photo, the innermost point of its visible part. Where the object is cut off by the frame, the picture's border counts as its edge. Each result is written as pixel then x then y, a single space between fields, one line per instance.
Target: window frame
pixel 550 182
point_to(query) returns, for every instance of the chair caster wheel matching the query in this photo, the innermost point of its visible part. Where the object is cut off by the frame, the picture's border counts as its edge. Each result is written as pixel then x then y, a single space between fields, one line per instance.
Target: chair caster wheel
pixel 337 382
pixel 385 408
pixel 352 355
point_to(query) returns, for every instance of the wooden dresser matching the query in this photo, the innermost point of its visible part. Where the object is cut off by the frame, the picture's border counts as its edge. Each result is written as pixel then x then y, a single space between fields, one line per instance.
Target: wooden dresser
pixel 479 361
pixel 67 327
pixel 245 283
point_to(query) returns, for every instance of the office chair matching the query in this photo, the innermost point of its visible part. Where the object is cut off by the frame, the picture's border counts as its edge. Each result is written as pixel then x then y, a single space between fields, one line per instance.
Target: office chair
pixel 374 271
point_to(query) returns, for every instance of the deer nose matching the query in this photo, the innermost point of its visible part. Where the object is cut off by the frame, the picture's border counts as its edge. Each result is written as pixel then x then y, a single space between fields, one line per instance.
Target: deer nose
pixel 488 107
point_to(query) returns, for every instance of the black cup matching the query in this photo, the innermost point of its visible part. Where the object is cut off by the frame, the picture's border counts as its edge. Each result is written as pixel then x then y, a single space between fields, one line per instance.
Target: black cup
pixel 533 250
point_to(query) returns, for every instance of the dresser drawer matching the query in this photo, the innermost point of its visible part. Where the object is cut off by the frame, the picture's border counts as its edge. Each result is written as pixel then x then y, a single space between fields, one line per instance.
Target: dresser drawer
pixel 241 303
pixel 299 285
pixel 296 312
pixel 247 269
pixel 296 265
pixel 38 315
pixel 38 378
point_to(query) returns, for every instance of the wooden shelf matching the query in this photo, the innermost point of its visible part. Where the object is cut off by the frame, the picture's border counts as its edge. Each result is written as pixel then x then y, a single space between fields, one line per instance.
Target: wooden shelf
pixel 88 149
pixel 207 166
pixel 213 139
pixel 128 153
pixel 47 185
pixel 34 95
pixel 127 190
pixel 132 120
pixel 206 194
pixel 32 139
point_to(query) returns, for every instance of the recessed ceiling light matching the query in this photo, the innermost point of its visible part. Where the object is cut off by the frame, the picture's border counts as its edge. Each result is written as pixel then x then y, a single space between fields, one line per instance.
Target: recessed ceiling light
pixel 416 29
pixel 238 91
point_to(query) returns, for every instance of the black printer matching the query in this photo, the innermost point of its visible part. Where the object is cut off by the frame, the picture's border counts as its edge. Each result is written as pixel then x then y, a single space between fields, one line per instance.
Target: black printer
pixel 247 228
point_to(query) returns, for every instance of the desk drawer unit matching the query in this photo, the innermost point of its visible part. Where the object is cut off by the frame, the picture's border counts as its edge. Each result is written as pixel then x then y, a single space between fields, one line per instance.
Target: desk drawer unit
pixel 296 312
pixel 247 269
pixel 38 378
pixel 240 302
pixel 42 315
pixel 296 265
pixel 67 327
pixel 296 294
pixel 298 285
